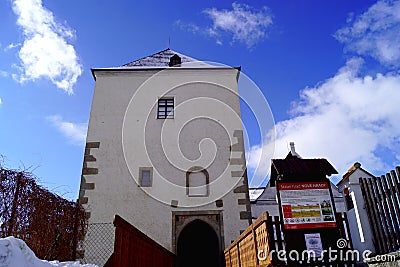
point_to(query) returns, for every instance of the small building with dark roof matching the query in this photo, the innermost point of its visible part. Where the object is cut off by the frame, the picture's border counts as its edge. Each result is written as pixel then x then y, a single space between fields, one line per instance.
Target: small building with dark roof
pixel 349 186
pixel 294 168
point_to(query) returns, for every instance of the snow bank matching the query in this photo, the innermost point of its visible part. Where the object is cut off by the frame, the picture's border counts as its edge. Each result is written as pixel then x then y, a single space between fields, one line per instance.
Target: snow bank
pixel 15 253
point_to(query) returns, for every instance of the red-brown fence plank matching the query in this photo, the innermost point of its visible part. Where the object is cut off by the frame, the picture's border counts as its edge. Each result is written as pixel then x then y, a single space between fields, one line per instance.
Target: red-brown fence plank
pixel 133 248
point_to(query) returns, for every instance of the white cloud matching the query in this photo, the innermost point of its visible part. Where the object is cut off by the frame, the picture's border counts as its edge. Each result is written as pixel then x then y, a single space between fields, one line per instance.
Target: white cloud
pixel 246 24
pixel 3 73
pixel 45 51
pixel 190 27
pixel 345 119
pixel 375 33
pixel 11 46
pixel 1 101
pixel 242 23
pixel 75 132
pixel 349 117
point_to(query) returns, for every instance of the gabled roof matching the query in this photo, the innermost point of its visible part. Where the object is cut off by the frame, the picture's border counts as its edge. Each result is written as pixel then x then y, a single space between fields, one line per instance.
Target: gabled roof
pixel 352 169
pixel 160 59
pixel 293 166
pixel 268 194
pixel 255 193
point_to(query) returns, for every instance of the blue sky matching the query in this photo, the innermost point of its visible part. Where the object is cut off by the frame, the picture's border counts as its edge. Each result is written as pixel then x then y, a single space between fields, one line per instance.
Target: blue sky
pixel 328 69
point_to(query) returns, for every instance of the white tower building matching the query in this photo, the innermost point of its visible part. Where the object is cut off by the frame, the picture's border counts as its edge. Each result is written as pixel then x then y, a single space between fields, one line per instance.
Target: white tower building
pixel 165 152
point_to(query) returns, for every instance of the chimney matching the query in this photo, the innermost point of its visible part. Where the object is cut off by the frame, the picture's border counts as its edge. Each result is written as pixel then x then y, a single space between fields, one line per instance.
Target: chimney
pixel 175 60
pixel 293 150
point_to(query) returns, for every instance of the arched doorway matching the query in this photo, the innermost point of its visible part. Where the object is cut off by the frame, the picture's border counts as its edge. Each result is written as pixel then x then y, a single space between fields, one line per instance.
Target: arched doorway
pixel 198 246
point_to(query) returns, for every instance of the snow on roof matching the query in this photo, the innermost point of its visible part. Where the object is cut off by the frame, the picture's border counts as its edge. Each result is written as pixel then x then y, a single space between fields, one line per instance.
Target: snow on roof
pixel 268 194
pixel 15 253
pixel 160 59
pixel 254 193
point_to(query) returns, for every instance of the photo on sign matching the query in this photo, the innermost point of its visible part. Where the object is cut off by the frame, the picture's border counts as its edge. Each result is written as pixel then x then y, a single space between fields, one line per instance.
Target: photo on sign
pixel 327 212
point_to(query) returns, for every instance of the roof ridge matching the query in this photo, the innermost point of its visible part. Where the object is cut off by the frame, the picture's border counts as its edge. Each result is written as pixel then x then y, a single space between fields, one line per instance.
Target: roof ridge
pixel 159 59
pixel 146 56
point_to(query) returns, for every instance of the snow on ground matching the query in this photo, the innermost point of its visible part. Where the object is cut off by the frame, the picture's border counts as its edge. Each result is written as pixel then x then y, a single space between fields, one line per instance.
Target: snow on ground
pixel 15 253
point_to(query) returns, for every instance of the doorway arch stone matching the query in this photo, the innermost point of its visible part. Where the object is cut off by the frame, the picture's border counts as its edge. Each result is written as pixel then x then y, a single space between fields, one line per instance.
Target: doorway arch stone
pixel 186 225
pixel 198 246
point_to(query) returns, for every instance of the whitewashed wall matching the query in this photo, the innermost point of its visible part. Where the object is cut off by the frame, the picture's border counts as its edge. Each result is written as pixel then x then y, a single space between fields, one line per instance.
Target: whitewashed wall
pixel 123 120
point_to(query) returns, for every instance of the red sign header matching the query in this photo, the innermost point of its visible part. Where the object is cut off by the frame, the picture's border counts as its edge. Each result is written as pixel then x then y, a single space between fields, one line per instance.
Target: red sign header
pixel 303 186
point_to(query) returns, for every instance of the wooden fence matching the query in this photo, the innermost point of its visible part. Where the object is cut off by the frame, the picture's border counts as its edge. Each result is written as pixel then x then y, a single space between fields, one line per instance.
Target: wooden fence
pixel 134 248
pixel 275 226
pixel 253 247
pixel 382 202
pixel 247 248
